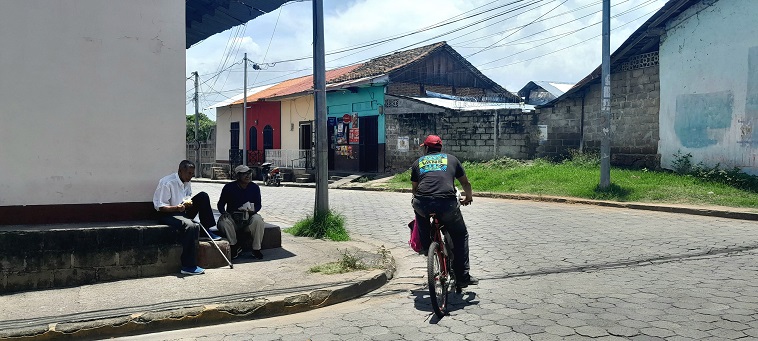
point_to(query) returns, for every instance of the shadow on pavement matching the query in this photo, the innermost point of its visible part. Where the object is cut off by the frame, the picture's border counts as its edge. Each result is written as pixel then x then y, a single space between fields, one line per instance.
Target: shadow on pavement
pixel 455 302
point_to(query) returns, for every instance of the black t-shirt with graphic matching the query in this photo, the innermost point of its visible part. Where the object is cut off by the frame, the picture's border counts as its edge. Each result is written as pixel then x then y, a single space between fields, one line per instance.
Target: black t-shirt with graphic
pixel 436 174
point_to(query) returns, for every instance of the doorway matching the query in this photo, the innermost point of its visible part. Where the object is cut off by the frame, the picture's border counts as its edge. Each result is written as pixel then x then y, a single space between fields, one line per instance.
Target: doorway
pixel 369 144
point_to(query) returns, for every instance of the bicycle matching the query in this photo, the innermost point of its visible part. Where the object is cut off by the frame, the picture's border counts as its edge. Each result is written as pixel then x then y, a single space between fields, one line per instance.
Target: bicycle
pixel 439 267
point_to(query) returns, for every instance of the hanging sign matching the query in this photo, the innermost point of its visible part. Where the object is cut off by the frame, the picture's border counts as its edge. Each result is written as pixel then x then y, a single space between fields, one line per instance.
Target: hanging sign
pixel 347 118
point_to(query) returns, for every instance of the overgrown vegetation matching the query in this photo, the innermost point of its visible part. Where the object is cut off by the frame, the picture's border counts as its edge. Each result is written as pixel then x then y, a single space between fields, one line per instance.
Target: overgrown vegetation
pixel 733 177
pixel 579 176
pixel 328 225
pixel 353 261
pixel 347 262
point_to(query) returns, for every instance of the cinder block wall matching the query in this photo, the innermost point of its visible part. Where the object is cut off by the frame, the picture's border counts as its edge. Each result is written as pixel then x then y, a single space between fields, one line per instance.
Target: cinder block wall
pixel 634 120
pixel 43 258
pixel 469 135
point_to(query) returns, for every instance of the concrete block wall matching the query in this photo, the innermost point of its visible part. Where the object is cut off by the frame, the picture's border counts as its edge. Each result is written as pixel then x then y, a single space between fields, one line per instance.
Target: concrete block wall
pixel 634 120
pixel 42 258
pixel 469 135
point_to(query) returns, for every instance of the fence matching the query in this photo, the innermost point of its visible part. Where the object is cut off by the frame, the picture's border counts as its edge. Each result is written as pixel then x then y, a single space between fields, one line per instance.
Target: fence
pixel 207 152
pixel 298 158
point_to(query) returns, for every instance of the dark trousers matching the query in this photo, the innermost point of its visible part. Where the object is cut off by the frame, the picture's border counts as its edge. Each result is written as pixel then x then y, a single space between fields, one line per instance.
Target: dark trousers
pixel 449 214
pixel 188 229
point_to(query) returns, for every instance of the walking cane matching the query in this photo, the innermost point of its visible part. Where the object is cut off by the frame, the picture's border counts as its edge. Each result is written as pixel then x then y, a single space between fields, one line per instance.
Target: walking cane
pixel 231 266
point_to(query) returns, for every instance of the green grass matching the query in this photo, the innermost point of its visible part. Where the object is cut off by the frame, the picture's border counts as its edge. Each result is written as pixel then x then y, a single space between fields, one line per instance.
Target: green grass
pixel 329 225
pixel 580 179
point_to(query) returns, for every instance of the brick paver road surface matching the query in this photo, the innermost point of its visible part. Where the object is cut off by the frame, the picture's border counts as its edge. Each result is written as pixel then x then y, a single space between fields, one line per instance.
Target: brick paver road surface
pixel 548 272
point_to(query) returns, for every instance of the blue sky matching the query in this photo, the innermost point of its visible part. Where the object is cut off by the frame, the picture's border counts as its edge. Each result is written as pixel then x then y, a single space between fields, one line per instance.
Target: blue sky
pixel 555 40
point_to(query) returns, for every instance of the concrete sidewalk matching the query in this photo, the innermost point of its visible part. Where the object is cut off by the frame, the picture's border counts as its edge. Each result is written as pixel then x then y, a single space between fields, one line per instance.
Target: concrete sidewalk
pixel 281 283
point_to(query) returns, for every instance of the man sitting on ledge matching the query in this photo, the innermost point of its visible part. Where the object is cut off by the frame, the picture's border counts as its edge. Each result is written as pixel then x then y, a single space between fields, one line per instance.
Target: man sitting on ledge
pixel 177 207
pixel 239 204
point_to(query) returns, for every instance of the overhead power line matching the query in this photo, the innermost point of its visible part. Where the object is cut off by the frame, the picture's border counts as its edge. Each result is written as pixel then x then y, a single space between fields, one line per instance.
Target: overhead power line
pixel 519 29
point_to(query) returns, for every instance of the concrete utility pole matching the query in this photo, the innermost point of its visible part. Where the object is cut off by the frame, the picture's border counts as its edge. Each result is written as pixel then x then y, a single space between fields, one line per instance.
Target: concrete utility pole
pixel 244 116
pixel 319 102
pixel 198 167
pixel 605 102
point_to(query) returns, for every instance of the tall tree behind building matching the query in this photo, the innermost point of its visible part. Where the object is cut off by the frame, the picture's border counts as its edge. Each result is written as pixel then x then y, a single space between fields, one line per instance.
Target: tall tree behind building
pixel 206 124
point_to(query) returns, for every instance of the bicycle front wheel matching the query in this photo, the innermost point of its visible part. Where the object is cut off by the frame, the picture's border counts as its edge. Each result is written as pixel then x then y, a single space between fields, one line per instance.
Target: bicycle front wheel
pixel 437 277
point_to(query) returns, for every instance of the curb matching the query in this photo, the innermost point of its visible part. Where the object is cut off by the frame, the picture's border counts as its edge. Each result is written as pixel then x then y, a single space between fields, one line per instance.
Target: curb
pixel 741 214
pixel 735 213
pixel 204 315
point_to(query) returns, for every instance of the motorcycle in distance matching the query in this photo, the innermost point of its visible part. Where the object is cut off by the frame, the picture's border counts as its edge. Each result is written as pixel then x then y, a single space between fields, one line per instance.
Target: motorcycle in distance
pixel 271 176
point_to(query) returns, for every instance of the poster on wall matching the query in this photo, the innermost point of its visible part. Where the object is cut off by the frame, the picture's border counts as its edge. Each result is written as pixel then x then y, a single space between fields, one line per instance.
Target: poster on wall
pixel 354 135
pixel 346 151
pixel 340 134
pixel 543 133
pixel 402 144
pixel 355 120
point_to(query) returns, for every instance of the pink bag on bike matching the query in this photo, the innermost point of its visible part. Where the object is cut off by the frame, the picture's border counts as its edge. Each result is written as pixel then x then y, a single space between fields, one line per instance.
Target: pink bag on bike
pixel 415 241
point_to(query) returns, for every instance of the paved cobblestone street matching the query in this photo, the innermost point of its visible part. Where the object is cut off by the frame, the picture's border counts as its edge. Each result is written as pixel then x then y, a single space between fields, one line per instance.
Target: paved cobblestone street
pixel 547 272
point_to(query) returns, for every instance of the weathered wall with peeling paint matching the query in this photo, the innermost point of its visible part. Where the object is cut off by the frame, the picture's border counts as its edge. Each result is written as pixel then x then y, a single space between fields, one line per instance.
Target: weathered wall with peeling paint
pixel 709 85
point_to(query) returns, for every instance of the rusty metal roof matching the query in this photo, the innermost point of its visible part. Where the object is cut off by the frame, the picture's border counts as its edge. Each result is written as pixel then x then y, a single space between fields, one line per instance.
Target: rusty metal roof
pixel 301 85
pixel 374 70
pixel 645 39
pixel 204 18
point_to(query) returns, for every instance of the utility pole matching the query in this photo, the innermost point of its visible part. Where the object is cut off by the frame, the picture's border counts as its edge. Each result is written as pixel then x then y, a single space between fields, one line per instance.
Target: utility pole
pixel 605 102
pixel 244 116
pixel 319 102
pixel 198 166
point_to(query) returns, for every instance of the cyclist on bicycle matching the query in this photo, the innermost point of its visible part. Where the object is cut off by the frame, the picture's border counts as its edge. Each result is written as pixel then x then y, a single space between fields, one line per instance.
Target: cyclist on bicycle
pixel 433 177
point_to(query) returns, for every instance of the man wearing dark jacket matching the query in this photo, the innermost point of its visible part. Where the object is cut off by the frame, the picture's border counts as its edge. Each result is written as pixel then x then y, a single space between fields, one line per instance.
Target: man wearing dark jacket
pixel 239 204
pixel 433 178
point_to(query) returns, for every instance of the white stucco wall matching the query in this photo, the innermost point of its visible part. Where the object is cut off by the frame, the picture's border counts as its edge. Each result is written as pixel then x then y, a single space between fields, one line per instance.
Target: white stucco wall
pixel 295 111
pixel 92 95
pixel 224 118
pixel 709 85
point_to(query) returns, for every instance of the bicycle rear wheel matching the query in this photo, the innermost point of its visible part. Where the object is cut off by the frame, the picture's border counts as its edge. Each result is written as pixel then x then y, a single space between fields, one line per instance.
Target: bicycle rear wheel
pixel 435 263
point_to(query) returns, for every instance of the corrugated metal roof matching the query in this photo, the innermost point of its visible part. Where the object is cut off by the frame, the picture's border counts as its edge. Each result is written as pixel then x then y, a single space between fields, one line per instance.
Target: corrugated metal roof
pixel 204 18
pixel 374 71
pixel 238 98
pixel 471 106
pixel 295 86
pixel 555 88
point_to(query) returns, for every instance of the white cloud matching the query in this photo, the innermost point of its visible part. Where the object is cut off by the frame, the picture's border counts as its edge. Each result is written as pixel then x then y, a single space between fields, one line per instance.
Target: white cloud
pixel 353 23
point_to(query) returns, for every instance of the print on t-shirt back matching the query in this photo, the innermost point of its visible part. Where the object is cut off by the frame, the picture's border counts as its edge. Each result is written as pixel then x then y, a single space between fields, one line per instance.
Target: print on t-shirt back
pixel 432 163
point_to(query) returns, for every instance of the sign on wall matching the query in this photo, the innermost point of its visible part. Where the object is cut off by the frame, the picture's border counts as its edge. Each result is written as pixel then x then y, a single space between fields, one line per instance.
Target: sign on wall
pixel 354 136
pixel 543 133
pixel 403 143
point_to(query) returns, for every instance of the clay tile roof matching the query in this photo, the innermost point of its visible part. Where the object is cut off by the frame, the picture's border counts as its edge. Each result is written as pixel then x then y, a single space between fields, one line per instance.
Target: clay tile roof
pixel 385 64
pixel 297 85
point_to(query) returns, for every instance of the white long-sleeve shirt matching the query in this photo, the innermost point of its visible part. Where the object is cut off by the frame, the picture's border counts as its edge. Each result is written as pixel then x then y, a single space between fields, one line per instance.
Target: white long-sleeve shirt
pixel 171 191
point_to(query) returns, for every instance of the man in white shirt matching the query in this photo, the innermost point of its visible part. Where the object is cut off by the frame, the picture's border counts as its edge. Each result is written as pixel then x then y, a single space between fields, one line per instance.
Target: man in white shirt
pixel 177 207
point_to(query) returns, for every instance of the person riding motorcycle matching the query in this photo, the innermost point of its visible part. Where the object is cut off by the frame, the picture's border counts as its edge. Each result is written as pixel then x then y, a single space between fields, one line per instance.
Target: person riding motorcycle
pixel 433 178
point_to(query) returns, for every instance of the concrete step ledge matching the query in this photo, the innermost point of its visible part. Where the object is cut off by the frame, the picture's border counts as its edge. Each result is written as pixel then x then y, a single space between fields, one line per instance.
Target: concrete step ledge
pixel 204 315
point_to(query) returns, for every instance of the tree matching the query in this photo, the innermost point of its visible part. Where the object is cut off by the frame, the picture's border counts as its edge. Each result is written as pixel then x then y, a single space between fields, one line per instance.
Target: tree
pixel 206 125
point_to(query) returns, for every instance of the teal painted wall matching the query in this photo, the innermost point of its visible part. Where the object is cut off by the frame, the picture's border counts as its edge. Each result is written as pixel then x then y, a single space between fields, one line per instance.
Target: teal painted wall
pixel 365 102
